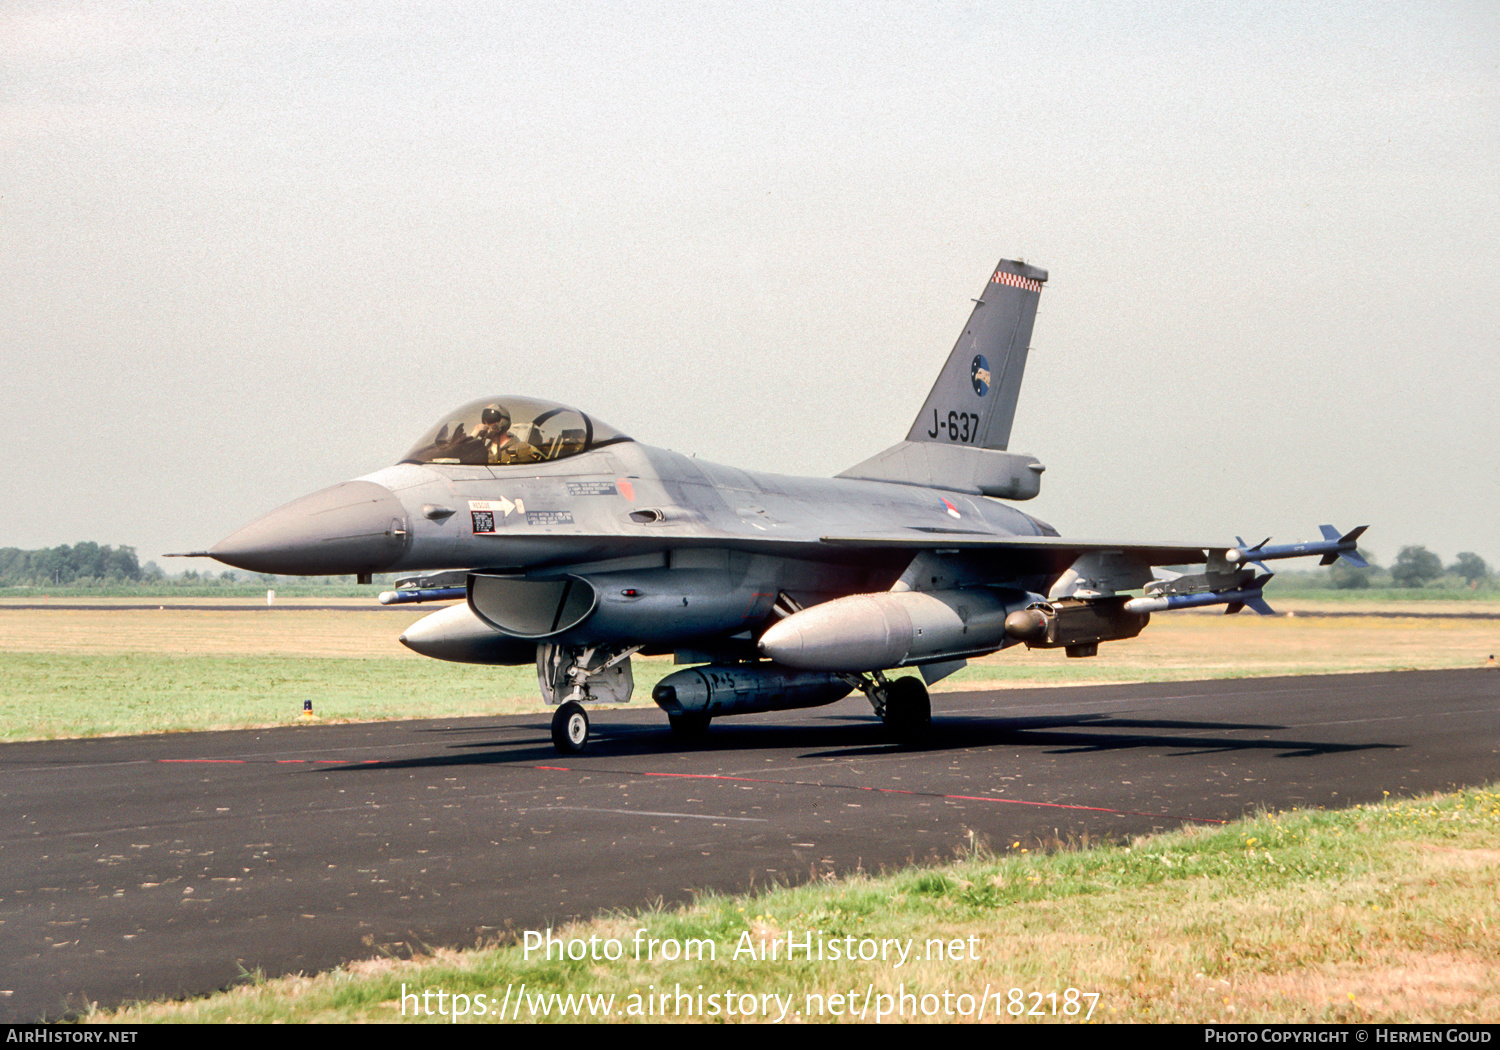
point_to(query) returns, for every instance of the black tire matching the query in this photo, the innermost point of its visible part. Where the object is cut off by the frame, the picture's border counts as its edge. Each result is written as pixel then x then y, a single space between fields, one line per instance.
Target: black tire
pixel 570 728
pixel 690 726
pixel 908 711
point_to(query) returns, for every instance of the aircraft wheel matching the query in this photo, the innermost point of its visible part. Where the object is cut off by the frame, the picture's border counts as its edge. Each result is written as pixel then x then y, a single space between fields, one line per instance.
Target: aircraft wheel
pixel 689 727
pixel 570 728
pixel 908 711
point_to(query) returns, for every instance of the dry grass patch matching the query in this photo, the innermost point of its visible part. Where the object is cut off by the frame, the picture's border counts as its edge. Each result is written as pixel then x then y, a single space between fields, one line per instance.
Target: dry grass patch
pixel 360 633
pixel 1190 646
pixel 1430 987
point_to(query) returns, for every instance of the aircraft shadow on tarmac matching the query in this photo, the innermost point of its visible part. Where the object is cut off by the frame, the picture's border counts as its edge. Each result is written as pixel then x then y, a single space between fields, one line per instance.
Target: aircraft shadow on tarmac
pixel 848 736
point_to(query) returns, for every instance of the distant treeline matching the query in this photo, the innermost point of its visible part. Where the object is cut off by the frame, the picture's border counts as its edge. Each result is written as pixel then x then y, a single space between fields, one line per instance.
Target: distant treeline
pixel 81 563
pixel 1415 568
pixel 116 570
pixel 89 565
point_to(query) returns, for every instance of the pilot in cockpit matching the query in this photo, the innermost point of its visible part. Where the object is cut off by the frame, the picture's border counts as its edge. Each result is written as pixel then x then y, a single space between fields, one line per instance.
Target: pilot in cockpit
pixel 503 446
pixel 506 430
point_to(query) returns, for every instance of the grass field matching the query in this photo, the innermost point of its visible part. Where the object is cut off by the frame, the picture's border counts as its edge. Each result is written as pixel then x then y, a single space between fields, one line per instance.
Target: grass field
pixel 113 670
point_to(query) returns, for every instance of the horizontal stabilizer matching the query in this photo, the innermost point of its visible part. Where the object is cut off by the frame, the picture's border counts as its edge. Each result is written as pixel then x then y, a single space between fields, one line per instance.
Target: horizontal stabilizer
pixel 954 468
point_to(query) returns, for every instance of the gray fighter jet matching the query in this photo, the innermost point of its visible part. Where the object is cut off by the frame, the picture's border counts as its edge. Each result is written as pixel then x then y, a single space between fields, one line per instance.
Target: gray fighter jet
pixel 575 547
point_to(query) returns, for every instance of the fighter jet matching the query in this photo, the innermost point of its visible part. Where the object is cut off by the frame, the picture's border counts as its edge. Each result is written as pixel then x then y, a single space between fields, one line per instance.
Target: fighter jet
pixel 574 547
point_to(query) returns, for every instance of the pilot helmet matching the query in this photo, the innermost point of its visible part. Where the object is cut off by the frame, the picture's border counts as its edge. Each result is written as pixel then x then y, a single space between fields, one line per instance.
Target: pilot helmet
pixel 494 414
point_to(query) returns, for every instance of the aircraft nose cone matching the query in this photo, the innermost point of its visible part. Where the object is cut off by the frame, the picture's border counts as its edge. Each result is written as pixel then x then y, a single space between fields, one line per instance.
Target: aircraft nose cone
pixel 355 527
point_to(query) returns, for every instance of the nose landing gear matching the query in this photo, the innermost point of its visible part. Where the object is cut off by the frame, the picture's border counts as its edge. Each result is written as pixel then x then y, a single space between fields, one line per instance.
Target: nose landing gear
pixel 570 728
pixel 572 675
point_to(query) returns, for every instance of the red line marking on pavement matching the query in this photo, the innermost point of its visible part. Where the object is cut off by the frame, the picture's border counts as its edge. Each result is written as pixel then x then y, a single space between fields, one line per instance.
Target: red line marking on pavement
pixel 281 761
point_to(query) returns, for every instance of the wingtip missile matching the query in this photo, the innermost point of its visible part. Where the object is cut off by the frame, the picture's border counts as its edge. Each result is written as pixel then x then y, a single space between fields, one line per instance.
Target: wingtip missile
pixel 1330 549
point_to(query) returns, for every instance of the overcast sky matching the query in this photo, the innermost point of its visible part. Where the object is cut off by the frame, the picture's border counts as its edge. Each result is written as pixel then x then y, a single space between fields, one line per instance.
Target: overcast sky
pixel 251 250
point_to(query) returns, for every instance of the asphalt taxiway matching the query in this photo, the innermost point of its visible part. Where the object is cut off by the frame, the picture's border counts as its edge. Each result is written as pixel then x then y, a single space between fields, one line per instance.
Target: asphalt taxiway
pixel 173 865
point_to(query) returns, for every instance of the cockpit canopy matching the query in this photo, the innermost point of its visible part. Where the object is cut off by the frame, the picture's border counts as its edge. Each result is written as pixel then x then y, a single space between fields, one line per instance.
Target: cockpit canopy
pixel 500 431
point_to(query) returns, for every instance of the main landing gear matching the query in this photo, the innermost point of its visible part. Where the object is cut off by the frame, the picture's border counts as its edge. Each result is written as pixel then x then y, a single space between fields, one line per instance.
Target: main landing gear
pixel 908 710
pixel 902 704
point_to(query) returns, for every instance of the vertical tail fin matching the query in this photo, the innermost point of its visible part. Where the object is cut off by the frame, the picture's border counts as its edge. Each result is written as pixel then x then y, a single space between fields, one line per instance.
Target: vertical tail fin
pixel 960 437
pixel 974 399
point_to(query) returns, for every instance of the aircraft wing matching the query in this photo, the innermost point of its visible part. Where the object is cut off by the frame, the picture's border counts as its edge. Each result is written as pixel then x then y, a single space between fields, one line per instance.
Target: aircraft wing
pixel 1019 555
pixel 1035 553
